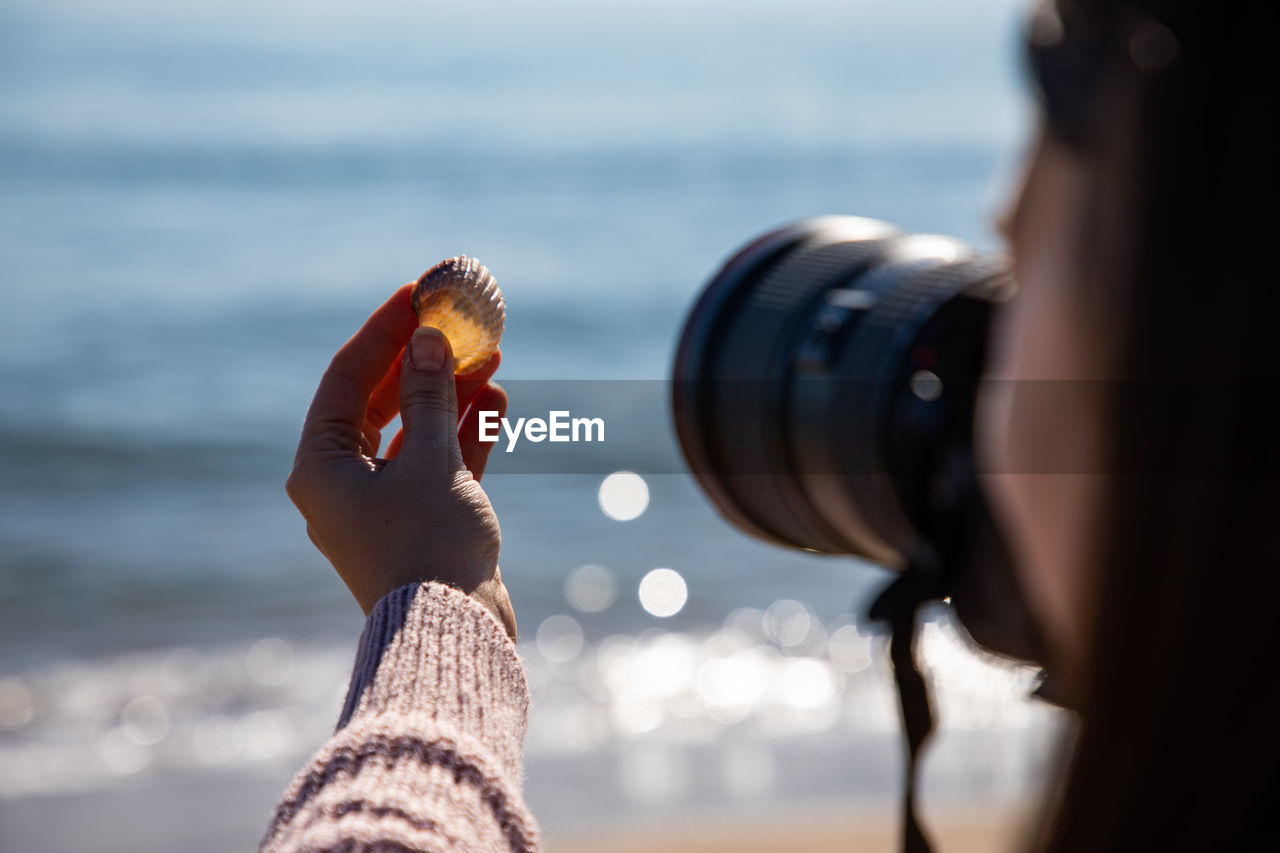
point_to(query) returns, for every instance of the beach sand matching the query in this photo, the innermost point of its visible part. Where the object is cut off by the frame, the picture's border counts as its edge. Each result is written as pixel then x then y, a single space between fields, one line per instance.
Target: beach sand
pixel 228 812
pixel 955 830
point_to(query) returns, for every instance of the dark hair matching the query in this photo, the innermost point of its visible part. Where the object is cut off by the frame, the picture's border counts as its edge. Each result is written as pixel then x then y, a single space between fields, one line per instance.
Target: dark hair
pixel 1173 104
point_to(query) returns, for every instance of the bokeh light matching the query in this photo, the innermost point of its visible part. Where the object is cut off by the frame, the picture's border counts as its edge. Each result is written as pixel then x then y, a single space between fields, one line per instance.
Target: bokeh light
pixel 806 683
pixel 16 707
pixel 732 686
pixel 787 622
pixel 849 650
pixel 624 496
pixel 145 721
pixel 591 589
pixel 559 638
pixel 663 592
pixel 270 662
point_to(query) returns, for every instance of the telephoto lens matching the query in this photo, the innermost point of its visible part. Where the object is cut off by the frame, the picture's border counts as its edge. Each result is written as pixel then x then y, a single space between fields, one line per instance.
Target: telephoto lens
pixel 824 391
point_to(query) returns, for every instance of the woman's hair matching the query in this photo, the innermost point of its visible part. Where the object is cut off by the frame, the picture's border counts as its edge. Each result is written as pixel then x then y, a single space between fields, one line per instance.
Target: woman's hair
pixel 1173 107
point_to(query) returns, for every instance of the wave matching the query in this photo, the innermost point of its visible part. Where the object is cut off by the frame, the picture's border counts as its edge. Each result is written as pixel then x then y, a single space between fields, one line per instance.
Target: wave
pixel 761 681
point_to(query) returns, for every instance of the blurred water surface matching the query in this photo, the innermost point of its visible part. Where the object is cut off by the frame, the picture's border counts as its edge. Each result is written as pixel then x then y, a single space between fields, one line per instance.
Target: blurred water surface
pixel 200 202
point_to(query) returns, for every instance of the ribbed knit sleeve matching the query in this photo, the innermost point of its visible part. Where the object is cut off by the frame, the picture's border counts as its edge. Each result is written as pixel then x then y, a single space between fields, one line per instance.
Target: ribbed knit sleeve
pixel 427 755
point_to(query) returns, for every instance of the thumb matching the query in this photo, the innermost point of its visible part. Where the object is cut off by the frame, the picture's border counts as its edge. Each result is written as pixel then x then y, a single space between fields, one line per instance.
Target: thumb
pixel 429 402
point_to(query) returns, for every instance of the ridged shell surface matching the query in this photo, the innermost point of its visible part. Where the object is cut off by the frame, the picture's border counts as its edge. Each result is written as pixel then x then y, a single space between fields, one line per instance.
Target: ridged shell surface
pixel 460 297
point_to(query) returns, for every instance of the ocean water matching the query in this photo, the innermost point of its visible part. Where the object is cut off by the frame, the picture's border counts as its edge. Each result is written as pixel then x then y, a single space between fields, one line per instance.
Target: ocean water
pixel 200 202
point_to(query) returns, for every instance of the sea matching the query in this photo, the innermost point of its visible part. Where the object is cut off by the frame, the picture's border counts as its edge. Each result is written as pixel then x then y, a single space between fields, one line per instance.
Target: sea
pixel 199 202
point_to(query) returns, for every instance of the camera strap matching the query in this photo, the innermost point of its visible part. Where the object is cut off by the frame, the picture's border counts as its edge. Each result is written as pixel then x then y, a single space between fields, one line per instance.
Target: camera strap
pixel 897 606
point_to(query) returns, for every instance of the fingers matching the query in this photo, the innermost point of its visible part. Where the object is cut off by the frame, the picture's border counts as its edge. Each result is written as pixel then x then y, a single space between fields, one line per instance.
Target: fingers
pixel 339 406
pixel 475 453
pixel 472 456
pixel 470 383
pixel 384 403
pixel 429 404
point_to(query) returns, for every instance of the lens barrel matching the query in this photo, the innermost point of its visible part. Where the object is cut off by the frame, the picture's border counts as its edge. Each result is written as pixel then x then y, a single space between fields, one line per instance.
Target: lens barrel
pixel 826 375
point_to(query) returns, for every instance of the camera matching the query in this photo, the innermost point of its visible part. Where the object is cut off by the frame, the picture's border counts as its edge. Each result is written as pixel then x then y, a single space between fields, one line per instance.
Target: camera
pixel 824 393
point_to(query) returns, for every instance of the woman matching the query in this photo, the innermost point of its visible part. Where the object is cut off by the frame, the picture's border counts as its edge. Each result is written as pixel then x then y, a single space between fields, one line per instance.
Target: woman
pixel 1149 557
pixel 1142 515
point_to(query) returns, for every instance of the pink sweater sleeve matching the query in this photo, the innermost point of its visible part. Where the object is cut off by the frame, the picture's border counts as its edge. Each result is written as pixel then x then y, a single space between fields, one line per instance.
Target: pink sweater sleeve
pixel 427 755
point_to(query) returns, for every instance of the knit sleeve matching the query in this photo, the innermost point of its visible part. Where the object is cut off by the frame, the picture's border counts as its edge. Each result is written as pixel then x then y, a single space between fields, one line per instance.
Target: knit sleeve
pixel 427 754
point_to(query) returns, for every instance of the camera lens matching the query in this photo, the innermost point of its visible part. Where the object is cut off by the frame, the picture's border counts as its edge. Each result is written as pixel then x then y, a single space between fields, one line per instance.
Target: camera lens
pixel 825 380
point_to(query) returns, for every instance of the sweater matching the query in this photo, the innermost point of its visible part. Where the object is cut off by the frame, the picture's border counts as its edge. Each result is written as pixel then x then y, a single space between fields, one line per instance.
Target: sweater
pixel 427 755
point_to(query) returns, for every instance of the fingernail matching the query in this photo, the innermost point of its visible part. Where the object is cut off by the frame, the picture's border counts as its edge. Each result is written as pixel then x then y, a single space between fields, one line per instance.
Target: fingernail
pixel 426 350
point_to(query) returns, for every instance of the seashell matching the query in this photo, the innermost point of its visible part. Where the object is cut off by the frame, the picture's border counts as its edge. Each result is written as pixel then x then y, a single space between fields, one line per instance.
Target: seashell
pixel 460 297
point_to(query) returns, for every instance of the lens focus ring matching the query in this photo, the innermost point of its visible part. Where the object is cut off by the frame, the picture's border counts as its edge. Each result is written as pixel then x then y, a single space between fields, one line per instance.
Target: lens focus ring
pixel 748 391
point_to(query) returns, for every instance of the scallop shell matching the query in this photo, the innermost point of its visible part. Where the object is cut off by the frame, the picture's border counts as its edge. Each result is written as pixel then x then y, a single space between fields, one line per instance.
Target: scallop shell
pixel 460 297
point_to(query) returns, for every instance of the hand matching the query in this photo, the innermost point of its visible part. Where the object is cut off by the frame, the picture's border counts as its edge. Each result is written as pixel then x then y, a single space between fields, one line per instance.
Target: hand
pixel 418 513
